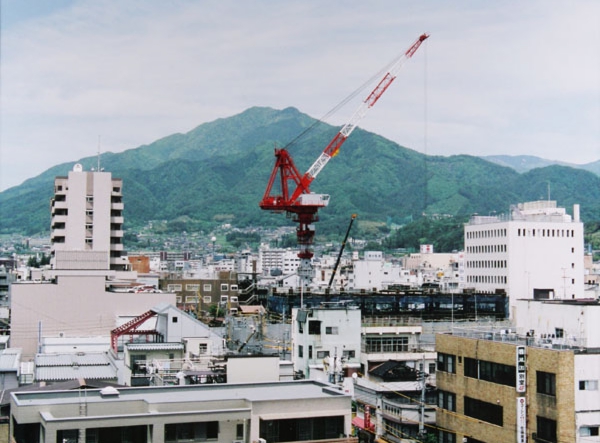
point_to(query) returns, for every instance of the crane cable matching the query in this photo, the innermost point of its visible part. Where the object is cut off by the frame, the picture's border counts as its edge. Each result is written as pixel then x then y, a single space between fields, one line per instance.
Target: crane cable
pixel 345 101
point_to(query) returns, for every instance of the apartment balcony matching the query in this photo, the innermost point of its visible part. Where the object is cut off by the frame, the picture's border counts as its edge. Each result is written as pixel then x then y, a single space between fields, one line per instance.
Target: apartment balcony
pixel 117 219
pixel 58 219
pixel 117 206
pixel 118 233
pixel 58 233
pixel 116 247
pixel 60 205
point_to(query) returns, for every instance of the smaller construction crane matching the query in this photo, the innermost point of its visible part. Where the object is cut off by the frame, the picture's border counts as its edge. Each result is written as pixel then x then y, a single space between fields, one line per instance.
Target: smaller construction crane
pixel 339 257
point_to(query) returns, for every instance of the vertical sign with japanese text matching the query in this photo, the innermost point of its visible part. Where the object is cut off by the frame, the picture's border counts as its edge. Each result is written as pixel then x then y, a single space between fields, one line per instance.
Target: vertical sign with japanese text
pixel 521 420
pixel 521 372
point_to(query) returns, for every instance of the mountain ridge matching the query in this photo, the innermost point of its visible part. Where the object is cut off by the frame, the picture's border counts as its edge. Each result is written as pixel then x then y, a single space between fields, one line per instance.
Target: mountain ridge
pixel 218 172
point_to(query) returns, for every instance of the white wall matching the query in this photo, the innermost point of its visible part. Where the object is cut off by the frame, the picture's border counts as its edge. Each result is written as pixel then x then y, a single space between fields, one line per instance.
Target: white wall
pixel 76 306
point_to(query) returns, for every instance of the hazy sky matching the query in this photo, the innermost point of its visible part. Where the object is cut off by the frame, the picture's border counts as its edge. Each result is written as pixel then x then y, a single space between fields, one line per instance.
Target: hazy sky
pixel 502 77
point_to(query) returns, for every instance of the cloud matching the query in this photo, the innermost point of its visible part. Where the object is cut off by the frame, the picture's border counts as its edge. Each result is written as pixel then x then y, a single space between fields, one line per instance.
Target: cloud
pixel 495 77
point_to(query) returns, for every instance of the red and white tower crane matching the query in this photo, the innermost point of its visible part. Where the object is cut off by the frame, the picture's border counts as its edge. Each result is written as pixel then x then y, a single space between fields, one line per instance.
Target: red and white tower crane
pixel 295 197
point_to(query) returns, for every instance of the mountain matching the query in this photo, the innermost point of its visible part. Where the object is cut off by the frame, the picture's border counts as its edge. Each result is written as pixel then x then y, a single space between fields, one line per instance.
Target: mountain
pixel 218 172
pixel 524 163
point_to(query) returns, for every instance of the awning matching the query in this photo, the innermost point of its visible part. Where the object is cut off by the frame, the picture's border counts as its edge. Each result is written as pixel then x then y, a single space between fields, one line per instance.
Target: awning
pixel 360 423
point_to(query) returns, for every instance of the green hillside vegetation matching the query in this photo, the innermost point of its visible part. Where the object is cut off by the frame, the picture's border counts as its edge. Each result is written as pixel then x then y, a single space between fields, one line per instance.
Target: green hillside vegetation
pixel 217 173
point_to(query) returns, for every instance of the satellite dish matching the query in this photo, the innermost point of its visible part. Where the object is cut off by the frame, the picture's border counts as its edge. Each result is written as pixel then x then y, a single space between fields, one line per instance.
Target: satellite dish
pixel 77 167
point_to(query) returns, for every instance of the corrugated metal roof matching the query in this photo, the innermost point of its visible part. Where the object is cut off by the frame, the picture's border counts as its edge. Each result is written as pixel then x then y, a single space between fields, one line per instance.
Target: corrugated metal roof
pixel 9 361
pixel 80 359
pixel 154 346
pixel 56 373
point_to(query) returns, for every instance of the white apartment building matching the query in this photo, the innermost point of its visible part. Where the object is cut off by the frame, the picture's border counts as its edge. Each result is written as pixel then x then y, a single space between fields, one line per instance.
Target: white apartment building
pixel 535 252
pixel 277 259
pixel 373 272
pixel 326 342
pixel 87 215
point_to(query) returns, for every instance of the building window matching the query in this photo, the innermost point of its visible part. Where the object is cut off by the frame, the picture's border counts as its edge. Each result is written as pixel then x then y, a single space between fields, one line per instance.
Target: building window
pixel 202 348
pixel 431 368
pixel 190 287
pixel 348 354
pixel 322 354
pixel 300 351
pixel 546 429
pixel 588 431
pixel 224 287
pixel 239 431
pixel 447 400
pixel 207 299
pixel 173 288
pixel 446 437
pixel 546 383
pixel 446 363
pixel 314 327
pixel 174 319
pixel 385 344
pixel 482 410
pixel 207 287
pixel 200 431
pixel 310 351
pixel 331 330
pixel 490 371
pixel 588 385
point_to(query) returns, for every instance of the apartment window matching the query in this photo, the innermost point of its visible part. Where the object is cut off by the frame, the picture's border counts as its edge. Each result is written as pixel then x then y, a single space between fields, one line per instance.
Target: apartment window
pixel 446 363
pixel 482 410
pixel 190 287
pixel 331 330
pixel 202 348
pixel 207 287
pixel 314 327
pixel 432 368
pixel 322 354
pixel 588 431
pixel 546 383
pixel 546 429
pixel 224 287
pixel 233 287
pixel 207 299
pixel 310 351
pixel 447 400
pixel 300 351
pixel 173 288
pixel 560 332
pixel 588 385
pixel 239 431
pixel 174 319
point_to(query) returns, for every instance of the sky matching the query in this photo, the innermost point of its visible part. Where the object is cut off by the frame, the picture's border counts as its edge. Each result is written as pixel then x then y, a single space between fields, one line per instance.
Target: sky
pixel 494 78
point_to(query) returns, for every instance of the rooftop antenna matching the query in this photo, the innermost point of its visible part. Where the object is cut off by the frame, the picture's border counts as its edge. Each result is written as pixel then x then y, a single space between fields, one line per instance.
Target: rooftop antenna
pixel 98 154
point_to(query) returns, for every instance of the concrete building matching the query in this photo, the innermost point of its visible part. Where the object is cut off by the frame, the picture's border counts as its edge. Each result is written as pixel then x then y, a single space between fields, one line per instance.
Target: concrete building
pixel 248 412
pixel 75 304
pixel 535 252
pixel 326 342
pixel 87 215
pixel 536 383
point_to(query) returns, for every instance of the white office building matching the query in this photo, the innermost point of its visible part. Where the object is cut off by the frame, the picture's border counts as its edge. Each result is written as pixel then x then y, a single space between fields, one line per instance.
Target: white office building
pixel 535 252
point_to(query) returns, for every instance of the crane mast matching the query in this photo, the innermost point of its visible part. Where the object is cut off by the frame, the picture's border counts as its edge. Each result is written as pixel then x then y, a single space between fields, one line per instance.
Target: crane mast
pixel 300 203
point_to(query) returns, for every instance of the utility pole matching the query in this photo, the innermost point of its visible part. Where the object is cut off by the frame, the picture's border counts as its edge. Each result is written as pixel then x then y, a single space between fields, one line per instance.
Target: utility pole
pixel 422 405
